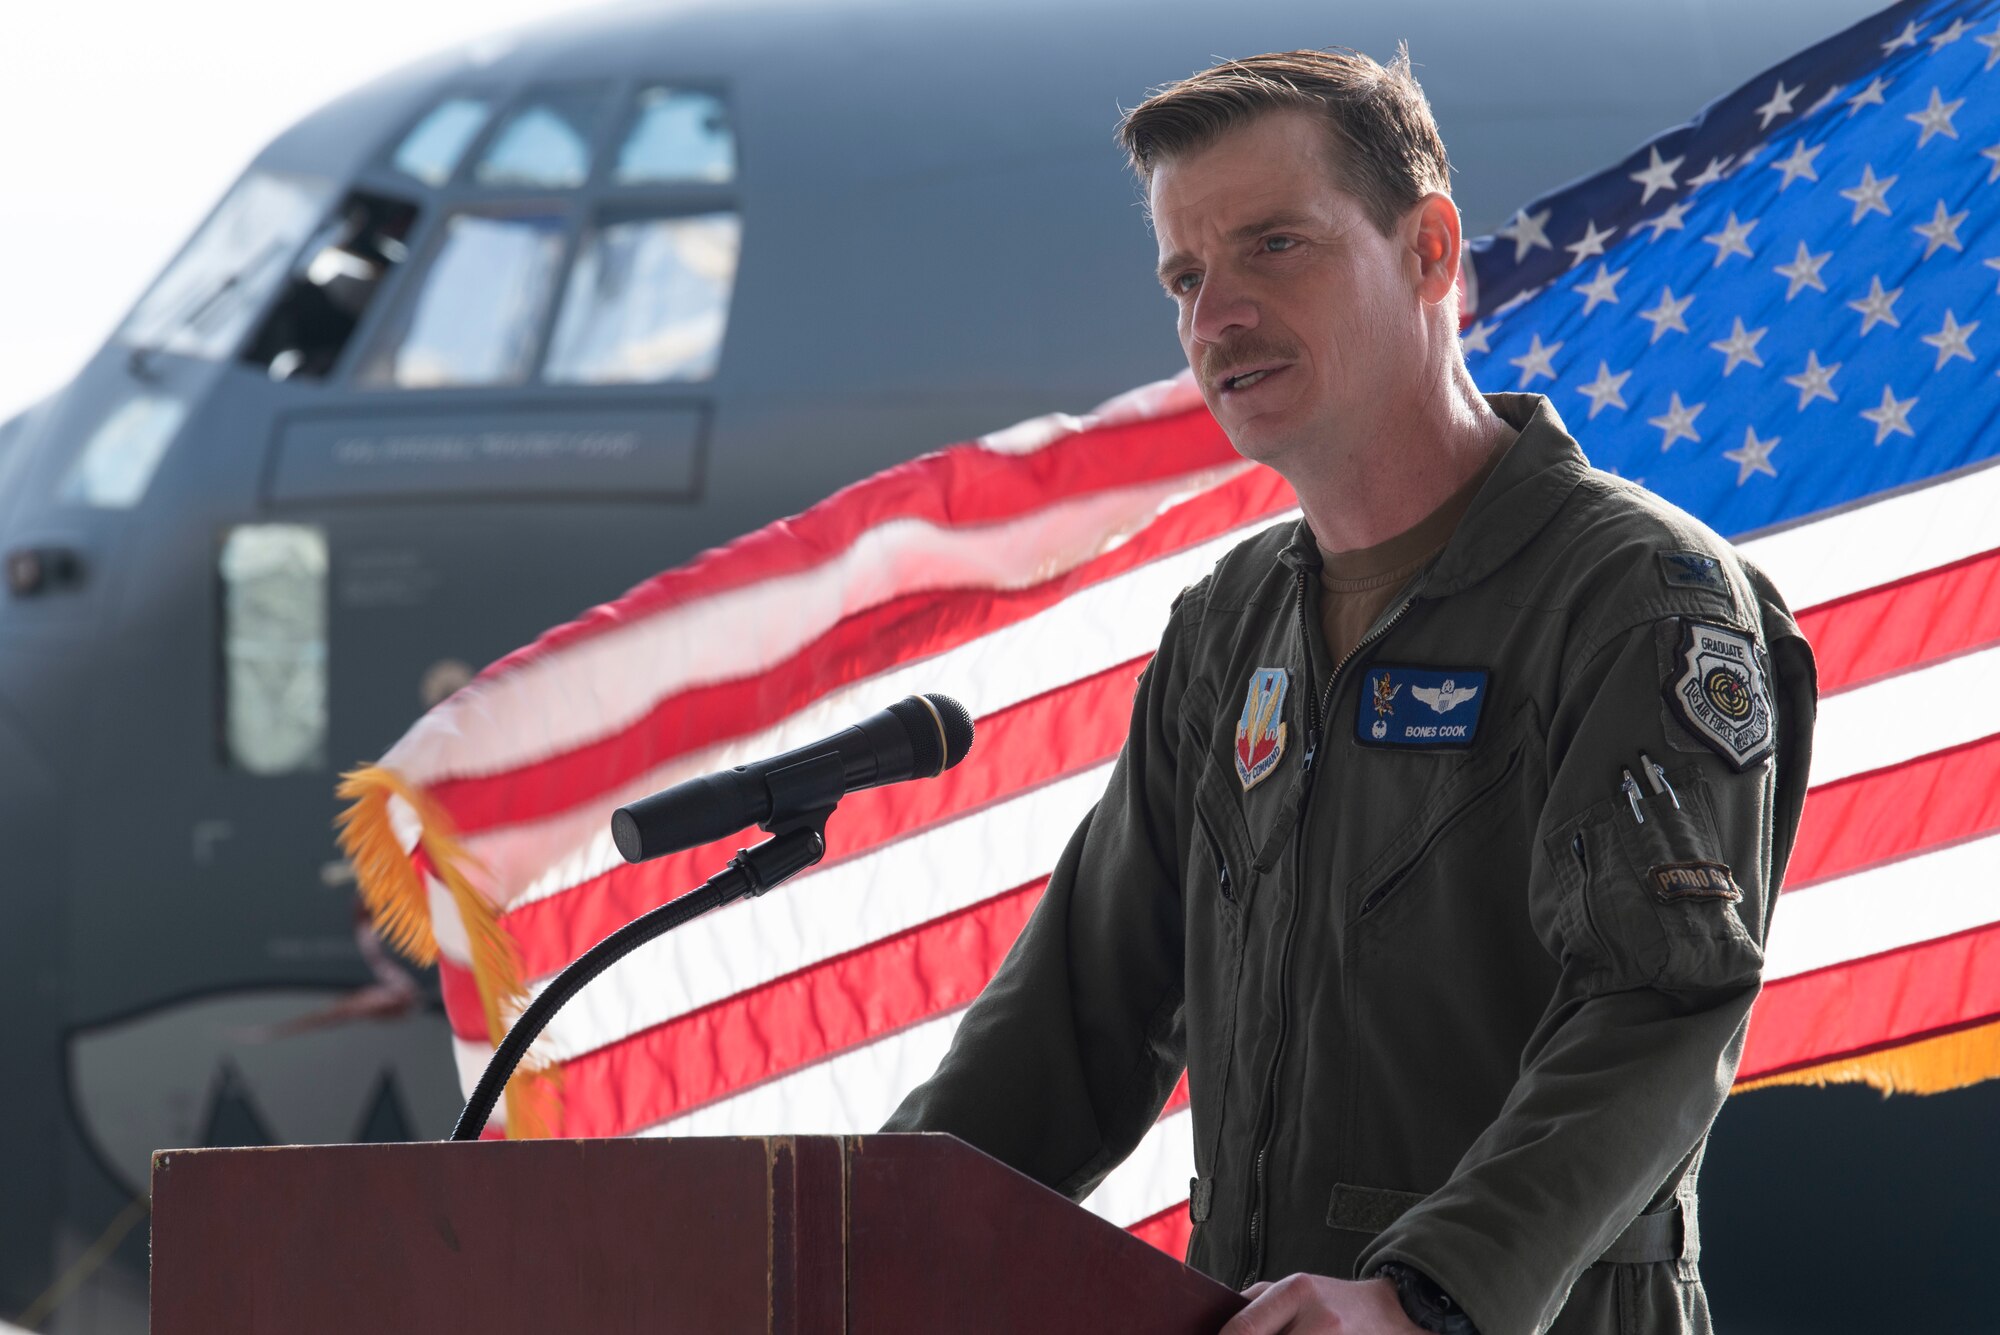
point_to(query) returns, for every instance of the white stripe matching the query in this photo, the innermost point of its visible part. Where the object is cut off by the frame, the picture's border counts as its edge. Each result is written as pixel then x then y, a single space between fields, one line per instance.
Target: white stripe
pixel 600 686
pixel 851 904
pixel 1109 623
pixel 1154 1176
pixel 1883 541
pixel 855 1091
pixel 850 1093
pixel 1898 904
pixel 1906 716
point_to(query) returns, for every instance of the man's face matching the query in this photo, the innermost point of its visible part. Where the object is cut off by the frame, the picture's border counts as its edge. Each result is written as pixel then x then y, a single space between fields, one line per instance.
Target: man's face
pixel 1276 269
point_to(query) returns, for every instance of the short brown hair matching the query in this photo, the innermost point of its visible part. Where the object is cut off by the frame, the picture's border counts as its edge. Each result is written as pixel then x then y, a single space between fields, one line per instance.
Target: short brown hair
pixel 1386 143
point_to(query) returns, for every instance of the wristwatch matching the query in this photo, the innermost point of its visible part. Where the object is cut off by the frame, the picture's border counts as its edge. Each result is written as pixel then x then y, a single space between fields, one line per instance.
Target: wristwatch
pixel 1427 1305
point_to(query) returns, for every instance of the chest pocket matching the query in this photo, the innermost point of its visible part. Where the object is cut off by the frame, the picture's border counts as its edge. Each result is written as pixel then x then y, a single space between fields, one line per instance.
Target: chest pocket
pixel 1459 802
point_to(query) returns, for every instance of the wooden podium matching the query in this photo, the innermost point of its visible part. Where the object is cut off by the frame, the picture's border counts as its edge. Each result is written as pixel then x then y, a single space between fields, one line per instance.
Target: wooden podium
pixel 792 1235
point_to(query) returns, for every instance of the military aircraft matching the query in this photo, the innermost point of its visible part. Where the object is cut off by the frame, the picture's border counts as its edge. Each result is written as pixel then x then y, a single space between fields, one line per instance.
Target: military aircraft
pixel 491 339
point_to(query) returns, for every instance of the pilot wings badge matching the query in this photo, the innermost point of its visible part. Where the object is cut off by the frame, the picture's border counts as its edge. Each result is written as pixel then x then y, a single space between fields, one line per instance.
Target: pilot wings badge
pixel 1260 732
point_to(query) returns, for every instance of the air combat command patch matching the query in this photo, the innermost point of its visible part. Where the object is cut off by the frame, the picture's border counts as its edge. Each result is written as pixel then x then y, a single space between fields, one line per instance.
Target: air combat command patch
pixel 1260 733
pixel 1718 690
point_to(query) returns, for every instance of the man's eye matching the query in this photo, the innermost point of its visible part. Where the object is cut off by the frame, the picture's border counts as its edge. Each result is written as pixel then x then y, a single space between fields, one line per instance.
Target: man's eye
pixel 1279 242
pixel 1181 284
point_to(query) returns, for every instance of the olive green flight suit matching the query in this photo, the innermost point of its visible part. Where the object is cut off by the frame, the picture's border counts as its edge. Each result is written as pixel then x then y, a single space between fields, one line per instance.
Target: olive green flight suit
pixel 1450 988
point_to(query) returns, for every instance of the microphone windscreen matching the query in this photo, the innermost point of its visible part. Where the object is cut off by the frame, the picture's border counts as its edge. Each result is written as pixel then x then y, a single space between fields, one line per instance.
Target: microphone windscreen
pixel 957 727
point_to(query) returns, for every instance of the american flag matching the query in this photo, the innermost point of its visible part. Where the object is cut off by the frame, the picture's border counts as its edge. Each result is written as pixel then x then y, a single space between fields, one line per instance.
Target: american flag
pixel 1769 315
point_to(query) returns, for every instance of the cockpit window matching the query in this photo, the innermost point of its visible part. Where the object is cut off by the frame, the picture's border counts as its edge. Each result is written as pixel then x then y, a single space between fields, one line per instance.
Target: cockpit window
pixel 331 286
pixel 430 152
pixel 206 299
pixel 117 464
pixel 474 317
pixel 677 136
pixel 647 300
pixel 274 647
pixel 545 142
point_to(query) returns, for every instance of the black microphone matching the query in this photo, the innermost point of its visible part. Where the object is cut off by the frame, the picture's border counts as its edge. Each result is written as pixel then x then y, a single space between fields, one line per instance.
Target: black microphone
pixel 918 737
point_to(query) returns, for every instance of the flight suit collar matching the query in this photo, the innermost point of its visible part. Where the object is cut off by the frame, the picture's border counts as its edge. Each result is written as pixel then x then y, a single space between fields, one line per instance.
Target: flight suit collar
pixel 1524 492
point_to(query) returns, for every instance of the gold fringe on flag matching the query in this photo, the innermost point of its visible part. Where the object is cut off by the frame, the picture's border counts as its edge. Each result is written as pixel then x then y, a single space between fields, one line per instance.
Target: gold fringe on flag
pixel 1928 1066
pixel 398 901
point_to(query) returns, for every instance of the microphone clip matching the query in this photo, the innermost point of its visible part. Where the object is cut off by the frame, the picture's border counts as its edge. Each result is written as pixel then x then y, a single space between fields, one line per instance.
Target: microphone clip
pixel 803 796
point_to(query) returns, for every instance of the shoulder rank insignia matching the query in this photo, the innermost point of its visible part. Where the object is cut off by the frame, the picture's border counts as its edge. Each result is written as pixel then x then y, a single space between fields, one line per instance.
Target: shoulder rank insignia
pixel 1421 707
pixel 1719 692
pixel 1260 733
pixel 1693 570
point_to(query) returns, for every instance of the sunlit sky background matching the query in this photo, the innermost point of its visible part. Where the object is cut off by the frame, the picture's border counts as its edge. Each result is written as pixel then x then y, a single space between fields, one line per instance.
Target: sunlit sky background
pixel 122 124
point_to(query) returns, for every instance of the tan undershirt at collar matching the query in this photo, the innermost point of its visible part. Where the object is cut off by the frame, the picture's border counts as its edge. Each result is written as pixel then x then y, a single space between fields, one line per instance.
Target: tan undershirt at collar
pixel 1356 586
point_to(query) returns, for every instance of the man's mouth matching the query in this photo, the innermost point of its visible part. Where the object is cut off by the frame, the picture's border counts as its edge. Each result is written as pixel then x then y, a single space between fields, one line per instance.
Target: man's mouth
pixel 1243 380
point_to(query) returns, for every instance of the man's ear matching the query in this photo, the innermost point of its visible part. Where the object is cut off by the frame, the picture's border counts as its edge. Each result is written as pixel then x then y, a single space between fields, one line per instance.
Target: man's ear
pixel 1436 243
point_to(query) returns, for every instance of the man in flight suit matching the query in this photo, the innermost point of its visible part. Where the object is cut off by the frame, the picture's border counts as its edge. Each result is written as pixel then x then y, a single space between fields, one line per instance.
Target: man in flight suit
pixel 1444 843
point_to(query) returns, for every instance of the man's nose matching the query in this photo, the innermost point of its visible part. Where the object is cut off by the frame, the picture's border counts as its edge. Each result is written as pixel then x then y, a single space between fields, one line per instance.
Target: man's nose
pixel 1221 308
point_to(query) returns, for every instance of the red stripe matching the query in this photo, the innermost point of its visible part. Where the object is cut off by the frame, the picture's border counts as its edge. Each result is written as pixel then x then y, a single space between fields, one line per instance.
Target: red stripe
pixel 1887 1000
pixel 1168 1230
pixel 1881 631
pixel 961 486
pixel 859 647
pixel 1923 803
pixel 1021 747
pixel 791 1022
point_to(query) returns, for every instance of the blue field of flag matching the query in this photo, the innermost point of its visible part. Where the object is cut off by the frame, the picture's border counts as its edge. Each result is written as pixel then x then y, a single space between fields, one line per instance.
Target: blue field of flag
pixel 1788 304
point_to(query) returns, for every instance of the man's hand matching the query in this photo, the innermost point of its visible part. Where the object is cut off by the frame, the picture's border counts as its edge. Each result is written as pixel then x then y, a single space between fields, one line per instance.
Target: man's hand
pixel 1310 1304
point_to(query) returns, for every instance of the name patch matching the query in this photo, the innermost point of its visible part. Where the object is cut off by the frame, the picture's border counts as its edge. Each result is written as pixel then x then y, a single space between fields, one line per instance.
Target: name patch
pixel 1694 880
pixel 1422 708
pixel 1720 694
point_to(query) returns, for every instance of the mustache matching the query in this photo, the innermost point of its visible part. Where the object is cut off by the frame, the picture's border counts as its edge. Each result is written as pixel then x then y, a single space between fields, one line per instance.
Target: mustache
pixel 1224 360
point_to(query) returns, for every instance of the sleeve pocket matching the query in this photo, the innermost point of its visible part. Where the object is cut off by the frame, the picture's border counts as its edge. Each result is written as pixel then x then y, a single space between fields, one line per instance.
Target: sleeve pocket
pixel 1660 903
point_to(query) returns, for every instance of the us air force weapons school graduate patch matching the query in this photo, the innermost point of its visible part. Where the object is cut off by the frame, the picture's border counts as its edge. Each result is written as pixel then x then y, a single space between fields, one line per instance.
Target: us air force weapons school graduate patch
pixel 1718 691
pixel 1260 732
pixel 1421 708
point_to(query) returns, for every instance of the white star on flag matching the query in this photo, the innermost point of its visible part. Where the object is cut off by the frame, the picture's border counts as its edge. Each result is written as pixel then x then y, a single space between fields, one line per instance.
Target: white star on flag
pixel 1941 230
pixel 1871 195
pixel 1591 244
pixel 1667 315
pixel 1603 391
pixel 1907 37
pixel 1815 382
pixel 1936 118
pixel 1891 415
pixel 1526 233
pixel 1992 153
pixel 1656 176
pixel 1991 41
pixel 1740 346
pixel 1476 338
pixel 1878 307
pixel 1951 341
pixel 1535 361
pixel 1677 422
pixel 1800 163
pixel 1752 456
pixel 1716 169
pixel 1993 263
pixel 1958 29
pixel 1602 288
pixel 1670 221
pixel 1871 96
pixel 1803 271
pixel 1729 241
pixel 1779 105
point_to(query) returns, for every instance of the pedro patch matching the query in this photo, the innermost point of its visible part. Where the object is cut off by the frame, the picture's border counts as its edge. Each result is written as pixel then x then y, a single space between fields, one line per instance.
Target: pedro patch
pixel 1260 732
pixel 1420 707
pixel 1694 880
pixel 1718 691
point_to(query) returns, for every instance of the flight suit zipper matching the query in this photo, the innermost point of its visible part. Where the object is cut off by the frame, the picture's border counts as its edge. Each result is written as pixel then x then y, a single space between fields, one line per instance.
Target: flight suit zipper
pixel 1318 707
pixel 1221 858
